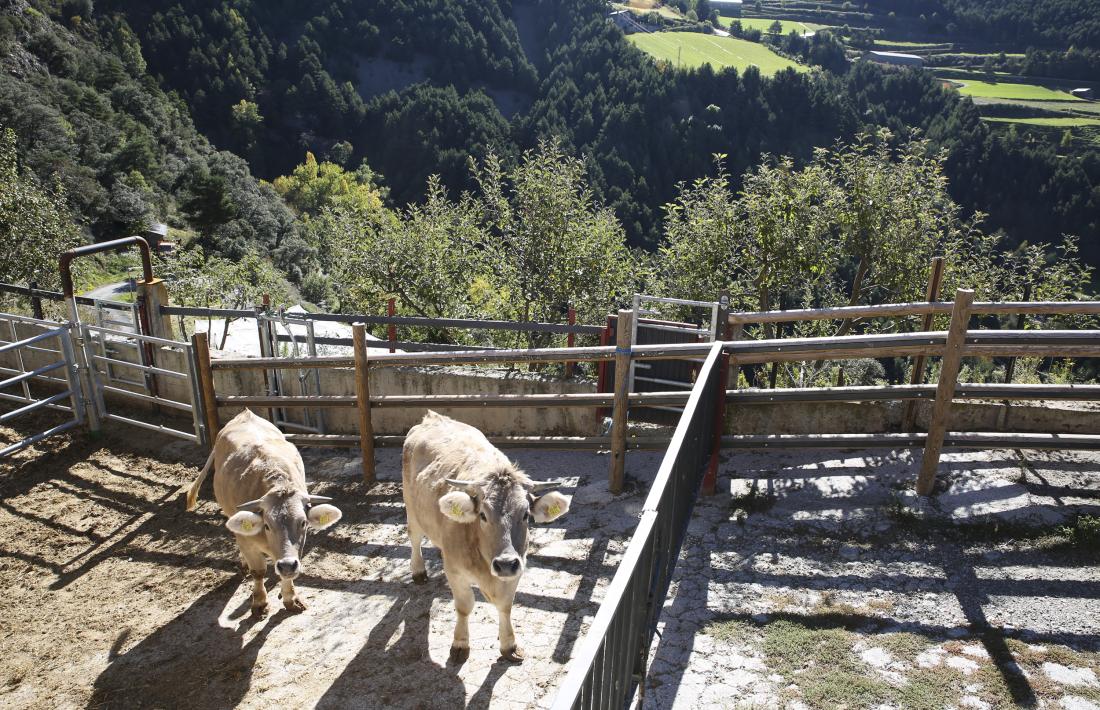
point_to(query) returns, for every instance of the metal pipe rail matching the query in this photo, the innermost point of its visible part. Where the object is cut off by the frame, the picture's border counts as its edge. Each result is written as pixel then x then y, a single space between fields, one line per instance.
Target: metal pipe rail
pixel 638 399
pixel 456 323
pixel 895 310
pixel 611 660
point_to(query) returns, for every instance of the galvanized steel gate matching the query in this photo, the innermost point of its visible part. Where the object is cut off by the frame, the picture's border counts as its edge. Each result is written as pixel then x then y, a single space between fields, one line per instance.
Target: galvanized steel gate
pixel 37 363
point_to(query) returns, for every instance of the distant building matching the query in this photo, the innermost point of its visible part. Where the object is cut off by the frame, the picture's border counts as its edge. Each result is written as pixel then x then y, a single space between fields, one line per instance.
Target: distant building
pixel 729 8
pixel 156 234
pixel 894 58
pixel 1086 94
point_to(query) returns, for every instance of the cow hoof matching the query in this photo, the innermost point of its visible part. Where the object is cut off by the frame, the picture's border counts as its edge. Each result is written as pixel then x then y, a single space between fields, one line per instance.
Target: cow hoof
pixel 294 606
pixel 459 654
pixel 514 654
pixel 259 611
pixel 420 578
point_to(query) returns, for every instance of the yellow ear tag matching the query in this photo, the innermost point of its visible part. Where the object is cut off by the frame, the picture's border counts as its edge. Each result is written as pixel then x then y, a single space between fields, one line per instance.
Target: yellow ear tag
pixel 456 510
pixel 553 510
pixel 247 525
pixel 323 519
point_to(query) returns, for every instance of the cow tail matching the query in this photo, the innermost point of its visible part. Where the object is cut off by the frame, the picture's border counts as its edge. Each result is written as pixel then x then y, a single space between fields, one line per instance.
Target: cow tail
pixel 193 491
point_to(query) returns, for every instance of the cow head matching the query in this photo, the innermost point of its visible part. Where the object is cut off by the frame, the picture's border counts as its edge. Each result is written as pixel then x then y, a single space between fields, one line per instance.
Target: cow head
pixel 284 518
pixel 501 506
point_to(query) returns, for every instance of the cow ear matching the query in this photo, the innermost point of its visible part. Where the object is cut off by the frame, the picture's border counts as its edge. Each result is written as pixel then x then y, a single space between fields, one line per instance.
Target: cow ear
pixel 549 507
pixel 245 523
pixel 459 507
pixel 323 516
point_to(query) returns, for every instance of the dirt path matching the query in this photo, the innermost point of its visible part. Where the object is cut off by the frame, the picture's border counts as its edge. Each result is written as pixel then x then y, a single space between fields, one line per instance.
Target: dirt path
pixel 116 597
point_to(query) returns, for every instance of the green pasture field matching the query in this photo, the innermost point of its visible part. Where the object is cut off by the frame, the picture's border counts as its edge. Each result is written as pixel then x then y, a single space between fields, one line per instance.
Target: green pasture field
pixel 763 23
pixel 971 85
pixel 696 49
pixel 1067 122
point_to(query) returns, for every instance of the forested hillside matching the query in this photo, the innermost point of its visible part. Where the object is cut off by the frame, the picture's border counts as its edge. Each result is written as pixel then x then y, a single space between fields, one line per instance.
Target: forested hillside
pixel 86 115
pixel 120 98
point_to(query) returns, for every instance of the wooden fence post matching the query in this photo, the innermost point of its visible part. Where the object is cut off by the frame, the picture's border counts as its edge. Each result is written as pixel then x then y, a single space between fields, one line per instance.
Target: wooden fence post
pixel 622 400
pixel 570 341
pixel 601 367
pixel 945 390
pixel 916 377
pixel 362 400
pixel 200 348
pixel 391 329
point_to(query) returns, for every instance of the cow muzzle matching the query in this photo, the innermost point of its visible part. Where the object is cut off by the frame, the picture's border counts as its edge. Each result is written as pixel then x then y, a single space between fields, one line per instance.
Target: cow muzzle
pixel 288 568
pixel 507 566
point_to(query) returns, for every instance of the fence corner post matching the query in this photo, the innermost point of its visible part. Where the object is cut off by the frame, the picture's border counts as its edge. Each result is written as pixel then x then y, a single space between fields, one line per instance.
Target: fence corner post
pixel 621 404
pixel 722 331
pixel 200 349
pixel 362 400
pixel 945 390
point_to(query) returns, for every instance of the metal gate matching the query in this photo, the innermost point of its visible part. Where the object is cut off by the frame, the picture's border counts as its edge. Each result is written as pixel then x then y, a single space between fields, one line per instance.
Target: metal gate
pixel 123 367
pixel 38 367
pixel 648 328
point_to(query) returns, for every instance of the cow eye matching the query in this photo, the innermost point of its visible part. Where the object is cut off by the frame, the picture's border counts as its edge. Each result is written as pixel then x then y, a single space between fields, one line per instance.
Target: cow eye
pixel 267 527
pixel 483 518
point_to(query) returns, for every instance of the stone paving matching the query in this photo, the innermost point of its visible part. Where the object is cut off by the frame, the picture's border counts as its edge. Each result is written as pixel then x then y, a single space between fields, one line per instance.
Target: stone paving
pixel 971 601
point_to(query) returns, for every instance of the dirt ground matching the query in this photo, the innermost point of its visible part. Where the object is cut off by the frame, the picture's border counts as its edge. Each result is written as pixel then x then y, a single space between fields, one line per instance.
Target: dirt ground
pixel 118 598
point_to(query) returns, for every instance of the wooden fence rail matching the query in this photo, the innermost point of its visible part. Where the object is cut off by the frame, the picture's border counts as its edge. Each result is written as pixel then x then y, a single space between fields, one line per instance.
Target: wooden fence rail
pixel 951 345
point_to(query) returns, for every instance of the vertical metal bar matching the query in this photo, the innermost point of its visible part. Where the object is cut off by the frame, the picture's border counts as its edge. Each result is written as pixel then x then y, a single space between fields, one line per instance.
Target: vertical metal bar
pixel 601 369
pixel 36 302
pixel 620 412
pixel 19 358
pixel 93 396
pixel 71 374
pixel 265 351
pixel 636 312
pixel 362 400
pixel 945 390
pixel 391 329
pixel 935 281
pixel 570 341
pixel 196 396
pixel 311 343
pixel 1021 321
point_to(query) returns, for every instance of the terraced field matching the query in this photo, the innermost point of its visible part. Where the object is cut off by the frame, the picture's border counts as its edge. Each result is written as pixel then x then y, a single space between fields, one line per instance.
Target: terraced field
pixel 978 86
pixel 763 23
pixel 693 49
pixel 1067 122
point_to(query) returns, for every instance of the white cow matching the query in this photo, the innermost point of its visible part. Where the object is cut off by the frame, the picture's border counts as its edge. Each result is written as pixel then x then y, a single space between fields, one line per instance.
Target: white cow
pixel 474 505
pixel 260 484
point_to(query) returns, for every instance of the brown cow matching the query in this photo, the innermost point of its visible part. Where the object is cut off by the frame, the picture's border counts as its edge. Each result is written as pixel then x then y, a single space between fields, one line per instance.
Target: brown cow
pixel 260 484
pixel 474 505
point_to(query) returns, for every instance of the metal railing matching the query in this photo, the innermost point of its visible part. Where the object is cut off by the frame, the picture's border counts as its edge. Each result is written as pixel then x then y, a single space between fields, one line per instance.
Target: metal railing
pixel 612 659
pixel 24 376
pixel 151 394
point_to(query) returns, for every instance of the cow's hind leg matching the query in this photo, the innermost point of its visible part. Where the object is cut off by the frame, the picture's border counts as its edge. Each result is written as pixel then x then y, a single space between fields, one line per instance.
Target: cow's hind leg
pixel 416 541
pixel 464 604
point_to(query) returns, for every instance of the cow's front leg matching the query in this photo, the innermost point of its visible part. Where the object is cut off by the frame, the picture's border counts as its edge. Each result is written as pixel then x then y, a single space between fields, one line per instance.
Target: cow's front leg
pixel 506 634
pixel 291 601
pixel 257 567
pixel 464 604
